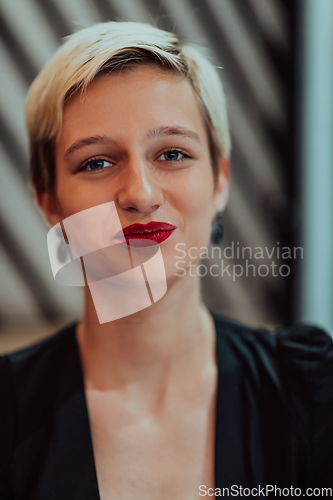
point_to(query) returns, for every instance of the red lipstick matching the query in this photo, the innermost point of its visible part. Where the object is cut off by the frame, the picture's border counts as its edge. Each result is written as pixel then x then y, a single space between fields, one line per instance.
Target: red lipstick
pixel 156 231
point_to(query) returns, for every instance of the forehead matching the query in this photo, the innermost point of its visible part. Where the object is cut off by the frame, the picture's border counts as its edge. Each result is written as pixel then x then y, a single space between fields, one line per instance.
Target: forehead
pixel 131 102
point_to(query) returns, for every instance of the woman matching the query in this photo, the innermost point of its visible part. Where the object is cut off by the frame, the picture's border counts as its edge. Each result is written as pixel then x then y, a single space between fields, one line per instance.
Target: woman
pixel 170 401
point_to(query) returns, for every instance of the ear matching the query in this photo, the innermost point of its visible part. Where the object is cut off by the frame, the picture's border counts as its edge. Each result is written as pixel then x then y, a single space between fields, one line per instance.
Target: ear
pixel 48 206
pixel 221 193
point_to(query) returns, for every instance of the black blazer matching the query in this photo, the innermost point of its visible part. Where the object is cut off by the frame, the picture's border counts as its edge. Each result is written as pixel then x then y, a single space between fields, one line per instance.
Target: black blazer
pixel 274 422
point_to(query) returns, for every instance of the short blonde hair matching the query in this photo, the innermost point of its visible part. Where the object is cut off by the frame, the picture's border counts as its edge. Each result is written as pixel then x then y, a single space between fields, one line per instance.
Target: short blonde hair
pixel 113 46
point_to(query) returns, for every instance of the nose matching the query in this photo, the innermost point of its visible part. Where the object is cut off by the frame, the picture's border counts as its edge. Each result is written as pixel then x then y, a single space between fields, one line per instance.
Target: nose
pixel 139 190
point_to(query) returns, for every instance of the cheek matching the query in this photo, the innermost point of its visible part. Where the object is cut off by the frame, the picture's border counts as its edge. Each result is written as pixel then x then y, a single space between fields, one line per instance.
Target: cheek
pixel 65 192
pixel 195 198
pixel 196 210
pixel 76 196
pixel 198 193
pixel 69 199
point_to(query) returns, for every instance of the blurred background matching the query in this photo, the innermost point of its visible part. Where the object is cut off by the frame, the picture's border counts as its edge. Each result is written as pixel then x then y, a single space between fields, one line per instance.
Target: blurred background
pixel 275 60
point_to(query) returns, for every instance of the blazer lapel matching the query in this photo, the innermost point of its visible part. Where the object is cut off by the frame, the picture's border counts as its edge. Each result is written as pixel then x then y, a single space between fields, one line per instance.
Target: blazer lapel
pixel 68 471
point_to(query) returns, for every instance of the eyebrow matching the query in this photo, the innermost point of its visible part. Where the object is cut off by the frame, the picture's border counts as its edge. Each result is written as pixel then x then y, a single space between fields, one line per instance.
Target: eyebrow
pixel 186 132
pixel 152 134
pixel 80 143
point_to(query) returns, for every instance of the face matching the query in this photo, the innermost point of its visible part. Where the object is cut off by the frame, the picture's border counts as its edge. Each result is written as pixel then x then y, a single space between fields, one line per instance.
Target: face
pixel 138 139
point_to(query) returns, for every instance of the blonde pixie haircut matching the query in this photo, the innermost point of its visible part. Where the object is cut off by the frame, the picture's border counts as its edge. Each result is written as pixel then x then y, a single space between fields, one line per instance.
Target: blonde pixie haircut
pixel 116 46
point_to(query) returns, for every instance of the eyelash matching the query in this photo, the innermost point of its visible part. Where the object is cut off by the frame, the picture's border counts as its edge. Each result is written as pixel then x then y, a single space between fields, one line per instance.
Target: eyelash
pixel 91 160
pixel 99 159
pixel 180 151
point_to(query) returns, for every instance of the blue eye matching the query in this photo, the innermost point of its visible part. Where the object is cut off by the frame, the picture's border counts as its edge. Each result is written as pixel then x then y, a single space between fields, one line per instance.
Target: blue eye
pixel 173 155
pixel 96 164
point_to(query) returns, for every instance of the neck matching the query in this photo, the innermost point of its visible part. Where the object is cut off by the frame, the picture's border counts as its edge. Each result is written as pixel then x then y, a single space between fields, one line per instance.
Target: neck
pixel 174 333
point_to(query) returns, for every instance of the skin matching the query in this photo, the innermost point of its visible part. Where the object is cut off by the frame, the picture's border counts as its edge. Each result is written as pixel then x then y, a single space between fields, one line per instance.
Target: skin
pixel 150 378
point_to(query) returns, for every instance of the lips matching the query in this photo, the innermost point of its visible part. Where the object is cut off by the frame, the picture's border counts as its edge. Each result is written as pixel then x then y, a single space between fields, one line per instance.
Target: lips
pixel 156 231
